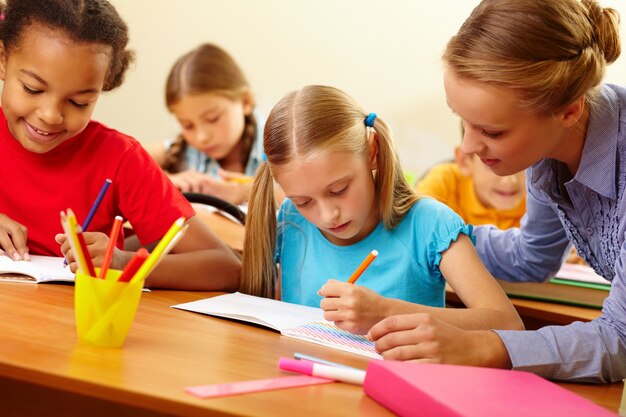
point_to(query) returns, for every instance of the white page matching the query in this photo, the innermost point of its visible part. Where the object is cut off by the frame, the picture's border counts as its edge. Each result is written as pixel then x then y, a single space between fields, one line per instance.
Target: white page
pixel 580 273
pixel 277 315
pixel 42 268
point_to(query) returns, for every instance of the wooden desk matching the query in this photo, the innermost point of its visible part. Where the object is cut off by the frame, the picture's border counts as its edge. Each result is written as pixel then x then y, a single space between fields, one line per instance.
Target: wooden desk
pixel 45 371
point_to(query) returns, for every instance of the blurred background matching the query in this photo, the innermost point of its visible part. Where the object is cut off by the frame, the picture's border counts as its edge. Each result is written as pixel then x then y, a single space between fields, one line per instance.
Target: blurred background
pixel 385 54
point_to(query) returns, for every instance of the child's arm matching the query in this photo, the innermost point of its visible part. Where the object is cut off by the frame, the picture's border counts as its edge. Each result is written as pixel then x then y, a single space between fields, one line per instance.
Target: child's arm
pixel 245 182
pixel 13 239
pixel 199 262
pixel 191 181
pixel 356 308
pixel 188 181
pixel 488 307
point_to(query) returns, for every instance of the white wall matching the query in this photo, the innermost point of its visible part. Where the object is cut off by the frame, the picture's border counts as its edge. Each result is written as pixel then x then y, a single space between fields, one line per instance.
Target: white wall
pixel 385 54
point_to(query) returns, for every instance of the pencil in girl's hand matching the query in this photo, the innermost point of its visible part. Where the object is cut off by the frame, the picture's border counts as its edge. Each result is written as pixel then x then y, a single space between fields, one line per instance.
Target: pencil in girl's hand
pixel 96 204
pixel 66 231
pixel 108 253
pixel 133 266
pixel 70 231
pixel 366 262
pixel 94 207
pixel 241 180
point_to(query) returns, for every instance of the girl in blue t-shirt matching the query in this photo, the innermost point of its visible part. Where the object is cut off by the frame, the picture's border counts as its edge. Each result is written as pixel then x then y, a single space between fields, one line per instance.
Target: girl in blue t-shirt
pixel 219 147
pixel 347 196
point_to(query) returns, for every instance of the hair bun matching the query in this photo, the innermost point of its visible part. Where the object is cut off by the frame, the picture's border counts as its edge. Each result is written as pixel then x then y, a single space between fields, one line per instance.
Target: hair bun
pixel 605 22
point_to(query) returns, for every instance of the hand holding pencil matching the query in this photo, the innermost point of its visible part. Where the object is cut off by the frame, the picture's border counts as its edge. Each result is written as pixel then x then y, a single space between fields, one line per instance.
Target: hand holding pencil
pixel 92 211
pixel 232 188
pixel 85 251
pixel 354 308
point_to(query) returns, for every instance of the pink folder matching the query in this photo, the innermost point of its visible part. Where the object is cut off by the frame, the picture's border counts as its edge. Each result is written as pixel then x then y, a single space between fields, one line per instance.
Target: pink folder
pixel 416 389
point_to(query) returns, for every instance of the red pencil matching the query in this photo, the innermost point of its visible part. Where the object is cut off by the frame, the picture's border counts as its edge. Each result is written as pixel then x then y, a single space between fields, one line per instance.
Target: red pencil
pixel 133 266
pixel 83 246
pixel 108 254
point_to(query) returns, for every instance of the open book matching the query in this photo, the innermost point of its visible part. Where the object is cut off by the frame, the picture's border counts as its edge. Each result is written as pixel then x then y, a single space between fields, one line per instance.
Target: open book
pixel 580 273
pixel 291 320
pixel 38 269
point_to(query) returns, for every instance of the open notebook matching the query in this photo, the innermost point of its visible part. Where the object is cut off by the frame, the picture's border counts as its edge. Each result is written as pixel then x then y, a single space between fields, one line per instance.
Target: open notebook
pixel 38 269
pixel 291 320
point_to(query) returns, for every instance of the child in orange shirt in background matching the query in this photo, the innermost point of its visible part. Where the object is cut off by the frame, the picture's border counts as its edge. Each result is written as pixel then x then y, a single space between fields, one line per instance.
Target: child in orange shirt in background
pixel 474 192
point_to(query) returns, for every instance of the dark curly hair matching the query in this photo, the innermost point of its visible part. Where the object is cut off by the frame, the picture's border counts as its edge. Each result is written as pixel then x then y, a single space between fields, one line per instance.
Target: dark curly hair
pixel 91 21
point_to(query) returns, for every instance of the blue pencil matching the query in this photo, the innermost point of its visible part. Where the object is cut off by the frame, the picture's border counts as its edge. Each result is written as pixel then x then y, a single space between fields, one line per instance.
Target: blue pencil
pixel 94 207
pixel 322 361
pixel 96 204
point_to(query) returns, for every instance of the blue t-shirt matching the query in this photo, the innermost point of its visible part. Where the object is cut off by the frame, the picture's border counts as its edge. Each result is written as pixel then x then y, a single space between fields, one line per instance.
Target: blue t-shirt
pixel 407 266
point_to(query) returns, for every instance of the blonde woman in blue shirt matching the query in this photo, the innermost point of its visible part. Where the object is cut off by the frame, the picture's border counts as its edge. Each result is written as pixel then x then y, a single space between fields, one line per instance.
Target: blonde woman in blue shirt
pixel 346 196
pixel 524 75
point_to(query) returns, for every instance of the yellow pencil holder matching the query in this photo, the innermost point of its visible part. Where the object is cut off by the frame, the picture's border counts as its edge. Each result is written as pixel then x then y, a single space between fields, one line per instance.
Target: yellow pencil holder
pixel 105 308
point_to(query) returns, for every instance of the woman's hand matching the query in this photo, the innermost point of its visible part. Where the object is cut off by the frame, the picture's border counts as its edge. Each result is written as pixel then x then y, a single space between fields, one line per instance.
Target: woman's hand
pixel 423 338
pixel 13 239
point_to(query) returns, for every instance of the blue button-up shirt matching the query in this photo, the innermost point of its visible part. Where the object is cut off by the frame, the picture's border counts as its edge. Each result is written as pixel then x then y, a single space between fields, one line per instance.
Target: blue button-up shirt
pixel 589 211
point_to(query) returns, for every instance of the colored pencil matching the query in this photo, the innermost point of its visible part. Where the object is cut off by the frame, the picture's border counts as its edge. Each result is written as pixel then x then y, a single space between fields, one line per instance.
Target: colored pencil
pixel 83 246
pixel 366 262
pixel 96 204
pixel 108 253
pixel 74 242
pixel 241 180
pixel 310 358
pixel 94 207
pixel 133 266
pixel 160 250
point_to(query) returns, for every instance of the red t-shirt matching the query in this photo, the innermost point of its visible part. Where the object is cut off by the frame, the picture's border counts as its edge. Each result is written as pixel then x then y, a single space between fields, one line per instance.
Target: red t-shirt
pixel 35 188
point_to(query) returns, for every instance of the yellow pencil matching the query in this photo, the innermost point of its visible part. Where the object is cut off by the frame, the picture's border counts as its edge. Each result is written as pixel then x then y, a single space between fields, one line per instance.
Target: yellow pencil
pixel 241 180
pixel 70 231
pixel 159 251
pixel 366 262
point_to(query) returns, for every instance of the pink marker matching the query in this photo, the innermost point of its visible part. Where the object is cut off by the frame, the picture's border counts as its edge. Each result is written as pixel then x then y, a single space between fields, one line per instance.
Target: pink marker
pixel 353 376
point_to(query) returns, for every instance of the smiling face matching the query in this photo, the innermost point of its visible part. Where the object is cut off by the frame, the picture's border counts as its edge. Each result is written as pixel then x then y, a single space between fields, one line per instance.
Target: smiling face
pixel 51 85
pixel 505 137
pixel 211 122
pixel 335 192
